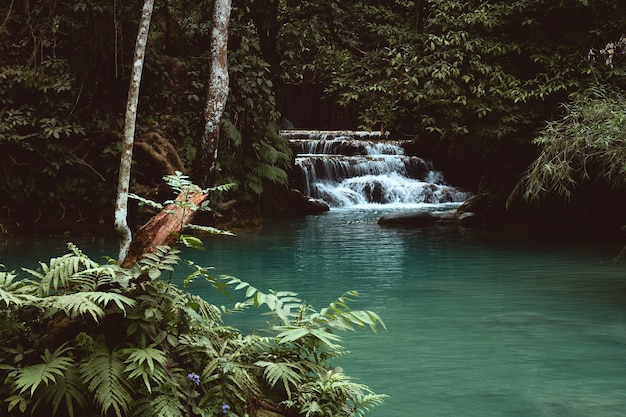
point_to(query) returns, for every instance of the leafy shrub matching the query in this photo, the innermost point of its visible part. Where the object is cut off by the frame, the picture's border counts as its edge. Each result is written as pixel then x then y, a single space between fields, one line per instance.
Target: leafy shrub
pixel 84 339
pixel 585 145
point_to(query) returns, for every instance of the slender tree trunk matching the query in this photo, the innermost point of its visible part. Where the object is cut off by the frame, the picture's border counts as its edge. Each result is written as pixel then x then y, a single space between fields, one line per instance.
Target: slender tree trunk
pixel 121 204
pixel 207 149
pixel 163 228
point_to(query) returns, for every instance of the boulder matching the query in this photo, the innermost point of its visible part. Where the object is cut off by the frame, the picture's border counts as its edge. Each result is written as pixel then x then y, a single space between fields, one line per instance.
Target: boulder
pixel 296 203
pixel 408 219
pixel 421 218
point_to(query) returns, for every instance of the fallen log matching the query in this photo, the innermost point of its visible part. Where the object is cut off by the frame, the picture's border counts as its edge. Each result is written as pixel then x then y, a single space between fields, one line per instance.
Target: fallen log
pixel 165 227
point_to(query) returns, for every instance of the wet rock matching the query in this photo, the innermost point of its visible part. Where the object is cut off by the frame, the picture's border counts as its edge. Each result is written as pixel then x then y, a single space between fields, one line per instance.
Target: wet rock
pixel 412 219
pixel 421 218
pixel 296 203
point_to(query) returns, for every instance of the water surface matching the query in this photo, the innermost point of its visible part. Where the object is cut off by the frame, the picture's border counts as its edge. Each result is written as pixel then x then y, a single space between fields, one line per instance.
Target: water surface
pixel 480 324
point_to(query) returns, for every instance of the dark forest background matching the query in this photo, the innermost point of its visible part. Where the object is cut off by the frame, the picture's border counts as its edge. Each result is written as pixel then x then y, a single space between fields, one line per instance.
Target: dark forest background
pixel 500 95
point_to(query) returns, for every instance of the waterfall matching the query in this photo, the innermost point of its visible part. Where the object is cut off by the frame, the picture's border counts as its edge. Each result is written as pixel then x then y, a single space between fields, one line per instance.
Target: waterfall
pixel 347 169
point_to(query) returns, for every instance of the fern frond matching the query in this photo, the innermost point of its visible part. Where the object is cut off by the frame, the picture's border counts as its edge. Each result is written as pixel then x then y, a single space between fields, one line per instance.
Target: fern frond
pixel 334 389
pixel 59 272
pixel 53 366
pixel 75 305
pixel 234 135
pixel 221 188
pixel 287 373
pixel 161 406
pixel 102 276
pixel 271 173
pixel 67 390
pixel 209 229
pixel 16 292
pixel 147 363
pixel 338 315
pixel 163 259
pixel 105 298
pixel 146 202
pixel 178 181
pixel 202 310
pixel 104 375
pixel 367 402
pixel 254 183
pixel 291 334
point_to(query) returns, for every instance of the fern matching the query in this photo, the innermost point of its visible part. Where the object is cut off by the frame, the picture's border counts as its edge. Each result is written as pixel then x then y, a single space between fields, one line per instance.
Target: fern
pixel 161 406
pixel 299 320
pixel 234 135
pixel 106 298
pixel 145 201
pixel 74 305
pixel 104 375
pixel 53 366
pixel 15 293
pixel 201 310
pixel 338 315
pixel 67 391
pixel 228 374
pixel 285 372
pixel 164 259
pixel 147 363
pixel 334 390
pixel 59 272
pixel 208 229
pixel 271 173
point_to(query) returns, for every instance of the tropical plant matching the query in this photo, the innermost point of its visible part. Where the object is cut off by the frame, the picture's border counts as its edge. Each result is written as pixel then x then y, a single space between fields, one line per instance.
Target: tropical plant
pixel 586 145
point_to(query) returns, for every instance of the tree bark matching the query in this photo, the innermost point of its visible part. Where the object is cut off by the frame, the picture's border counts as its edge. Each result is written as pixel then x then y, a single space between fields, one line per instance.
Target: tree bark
pixel 207 149
pixel 121 203
pixel 165 227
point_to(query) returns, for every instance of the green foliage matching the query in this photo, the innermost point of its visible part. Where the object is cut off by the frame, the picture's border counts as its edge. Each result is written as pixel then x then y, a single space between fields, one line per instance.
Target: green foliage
pixel 79 338
pixel 53 365
pixel 104 378
pixel 586 144
pixel 254 153
pixel 474 69
pixel 457 69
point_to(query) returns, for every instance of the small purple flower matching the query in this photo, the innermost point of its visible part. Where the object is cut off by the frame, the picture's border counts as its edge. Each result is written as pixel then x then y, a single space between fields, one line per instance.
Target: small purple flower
pixel 225 408
pixel 193 377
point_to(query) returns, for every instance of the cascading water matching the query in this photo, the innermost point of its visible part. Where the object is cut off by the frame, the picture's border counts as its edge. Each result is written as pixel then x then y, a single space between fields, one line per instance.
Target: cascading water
pixel 348 169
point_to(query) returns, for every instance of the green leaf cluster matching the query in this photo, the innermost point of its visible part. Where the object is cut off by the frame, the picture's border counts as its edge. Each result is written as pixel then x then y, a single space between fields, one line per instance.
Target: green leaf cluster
pixel 586 145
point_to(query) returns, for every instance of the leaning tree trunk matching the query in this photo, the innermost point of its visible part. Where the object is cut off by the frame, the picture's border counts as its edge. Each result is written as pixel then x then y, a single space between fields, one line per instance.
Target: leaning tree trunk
pixel 165 227
pixel 206 157
pixel 121 203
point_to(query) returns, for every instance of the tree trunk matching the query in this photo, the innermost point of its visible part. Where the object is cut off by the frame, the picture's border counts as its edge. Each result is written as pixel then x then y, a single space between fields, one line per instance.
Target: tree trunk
pixel 207 149
pixel 121 203
pixel 164 227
